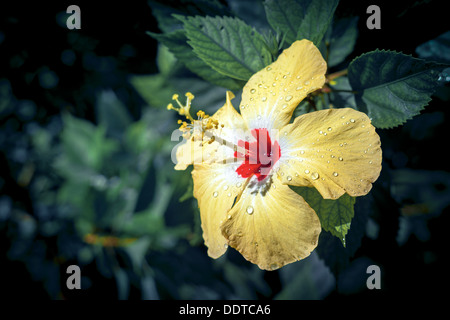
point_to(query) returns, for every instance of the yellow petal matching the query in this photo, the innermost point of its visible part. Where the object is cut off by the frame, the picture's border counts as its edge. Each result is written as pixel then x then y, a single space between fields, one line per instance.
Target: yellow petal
pixel 215 187
pixel 336 151
pixel 271 95
pixel 272 226
pixel 231 128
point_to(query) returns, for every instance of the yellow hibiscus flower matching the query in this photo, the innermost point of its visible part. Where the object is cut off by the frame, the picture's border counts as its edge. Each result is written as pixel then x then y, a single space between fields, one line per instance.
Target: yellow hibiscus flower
pixel 244 162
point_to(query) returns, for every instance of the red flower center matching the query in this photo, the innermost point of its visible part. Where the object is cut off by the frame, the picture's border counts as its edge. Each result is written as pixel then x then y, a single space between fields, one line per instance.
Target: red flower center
pixel 260 156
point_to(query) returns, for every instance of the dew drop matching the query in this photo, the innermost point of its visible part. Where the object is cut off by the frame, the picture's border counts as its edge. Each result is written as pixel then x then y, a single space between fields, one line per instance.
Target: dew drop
pixel 352 120
pixel 288 98
pixel 329 129
pixel 268 68
pixel 229 217
pixel 302 152
pixel 335 174
pixel 215 194
pixel 258 117
pixel 250 210
pixel 284 106
pixel 320 132
pixel 299 88
pixel 306 171
pixel 225 187
pixel 229 194
pixel 314 176
pixel 264 99
pixel 341 159
pixel 252 91
pixel 307 83
pixel 289 178
pixel 238 184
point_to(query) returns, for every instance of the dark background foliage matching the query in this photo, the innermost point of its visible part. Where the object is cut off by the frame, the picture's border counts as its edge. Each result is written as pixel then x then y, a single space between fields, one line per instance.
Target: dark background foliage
pixel 84 156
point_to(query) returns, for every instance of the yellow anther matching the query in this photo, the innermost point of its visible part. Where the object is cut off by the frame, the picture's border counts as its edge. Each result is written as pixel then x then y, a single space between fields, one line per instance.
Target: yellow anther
pixel 170 107
pixel 179 121
pixel 189 95
pixel 175 97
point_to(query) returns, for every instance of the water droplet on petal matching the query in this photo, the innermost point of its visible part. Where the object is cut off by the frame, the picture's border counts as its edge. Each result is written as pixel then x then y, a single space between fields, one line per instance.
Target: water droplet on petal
pixel 314 176
pixel 238 184
pixel 225 187
pixel 307 83
pixel 335 174
pixel 215 194
pixel 284 106
pixel 320 131
pixel 341 159
pixel 252 91
pixel 302 152
pixel 288 98
pixel 268 68
pixel 289 178
pixel 352 120
pixel 250 210
pixel 329 129
pixel 306 171
pixel 264 99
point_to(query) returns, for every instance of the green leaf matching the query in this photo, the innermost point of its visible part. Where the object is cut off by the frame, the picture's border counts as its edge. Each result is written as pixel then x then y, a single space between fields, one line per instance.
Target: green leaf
pixel 335 215
pixel 176 42
pixel 228 45
pixel 392 87
pixel 300 19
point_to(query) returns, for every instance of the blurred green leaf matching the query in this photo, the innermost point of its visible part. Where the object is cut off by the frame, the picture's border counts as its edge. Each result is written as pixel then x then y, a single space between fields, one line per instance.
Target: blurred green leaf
pixel 164 11
pixel 310 279
pixel 341 95
pixel 437 49
pixel 85 146
pixel 300 19
pixel 111 113
pixel 341 40
pixel 154 89
pixel 392 87
pixel 165 60
pixel 228 45
pixel 335 215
